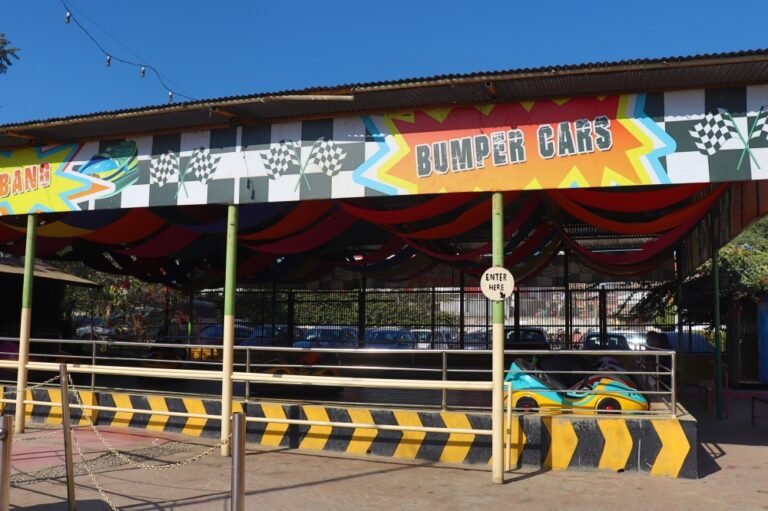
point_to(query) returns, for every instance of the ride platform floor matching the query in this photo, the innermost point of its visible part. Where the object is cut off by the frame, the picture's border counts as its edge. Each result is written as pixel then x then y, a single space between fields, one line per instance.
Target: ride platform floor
pixel 733 463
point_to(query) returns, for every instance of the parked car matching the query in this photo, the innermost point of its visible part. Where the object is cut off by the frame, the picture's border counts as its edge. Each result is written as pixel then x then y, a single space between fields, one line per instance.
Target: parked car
pixel 389 337
pixel 612 341
pixel 328 337
pixel 425 340
pixel 211 339
pixel 93 328
pixel 525 338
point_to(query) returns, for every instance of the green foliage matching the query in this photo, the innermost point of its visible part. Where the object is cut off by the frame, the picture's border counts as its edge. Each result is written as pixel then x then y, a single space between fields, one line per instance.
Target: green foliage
pixel 6 52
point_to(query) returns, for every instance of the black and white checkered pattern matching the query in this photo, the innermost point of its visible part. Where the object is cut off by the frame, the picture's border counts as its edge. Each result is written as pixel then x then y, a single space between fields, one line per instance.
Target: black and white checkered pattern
pixel 280 158
pixel 203 164
pixel 163 168
pixel 716 129
pixel 328 157
pixel 760 128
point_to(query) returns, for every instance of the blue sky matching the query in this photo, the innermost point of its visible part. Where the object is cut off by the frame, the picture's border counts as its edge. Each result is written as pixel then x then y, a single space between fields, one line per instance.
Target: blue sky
pixel 208 49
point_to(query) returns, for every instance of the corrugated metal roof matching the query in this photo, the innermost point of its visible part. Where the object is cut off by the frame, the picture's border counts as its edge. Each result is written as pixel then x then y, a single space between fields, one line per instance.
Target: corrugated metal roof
pixel 15 266
pixel 636 75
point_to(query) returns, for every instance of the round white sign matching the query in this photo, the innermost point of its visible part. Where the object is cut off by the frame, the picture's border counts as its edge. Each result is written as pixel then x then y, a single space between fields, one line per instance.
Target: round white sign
pixel 497 283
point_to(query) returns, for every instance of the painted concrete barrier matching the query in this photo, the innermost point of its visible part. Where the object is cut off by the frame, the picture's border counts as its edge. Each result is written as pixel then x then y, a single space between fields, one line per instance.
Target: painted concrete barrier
pixel 52 414
pixel 657 446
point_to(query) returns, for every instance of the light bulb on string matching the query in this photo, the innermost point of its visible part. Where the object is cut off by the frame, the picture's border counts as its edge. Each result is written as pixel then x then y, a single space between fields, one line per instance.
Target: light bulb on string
pixel 109 61
pixel 170 97
pixel 67 17
pixel 143 71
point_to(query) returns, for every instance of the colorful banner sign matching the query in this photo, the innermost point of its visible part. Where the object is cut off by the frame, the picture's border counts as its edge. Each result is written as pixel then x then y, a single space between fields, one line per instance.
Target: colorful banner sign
pixel 696 136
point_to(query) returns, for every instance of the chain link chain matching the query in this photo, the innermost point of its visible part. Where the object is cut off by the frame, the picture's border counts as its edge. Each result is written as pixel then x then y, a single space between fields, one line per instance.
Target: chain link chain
pixel 30 389
pixel 28 438
pixel 92 476
pixel 128 460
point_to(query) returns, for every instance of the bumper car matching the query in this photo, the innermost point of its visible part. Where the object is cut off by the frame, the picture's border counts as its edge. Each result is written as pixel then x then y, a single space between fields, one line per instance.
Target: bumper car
pixel 533 390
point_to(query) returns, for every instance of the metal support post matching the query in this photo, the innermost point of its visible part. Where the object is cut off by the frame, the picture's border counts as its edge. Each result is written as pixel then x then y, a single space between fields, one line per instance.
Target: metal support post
pixel 361 312
pixel 227 366
pixel 26 322
pixel 567 299
pixel 67 430
pixel 461 311
pixel 444 402
pixel 718 337
pixel 516 313
pixel 6 442
pixel 238 462
pixel 497 364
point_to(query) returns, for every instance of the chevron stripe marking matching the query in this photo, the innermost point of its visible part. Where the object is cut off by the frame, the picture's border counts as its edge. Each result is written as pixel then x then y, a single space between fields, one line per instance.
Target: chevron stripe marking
pixel 194 425
pixel 273 433
pixel 411 440
pixel 122 419
pixel 563 442
pixel 317 436
pixel 157 422
pixel 674 448
pixel 516 441
pixel 362 438
pixel 618 444
pixel 458 445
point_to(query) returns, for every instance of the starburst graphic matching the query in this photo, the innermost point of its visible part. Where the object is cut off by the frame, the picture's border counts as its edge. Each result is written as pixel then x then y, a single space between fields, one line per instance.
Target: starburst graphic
pixel 42 180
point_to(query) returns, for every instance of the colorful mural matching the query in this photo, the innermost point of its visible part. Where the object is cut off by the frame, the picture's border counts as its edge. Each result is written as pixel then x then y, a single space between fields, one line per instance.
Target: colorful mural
pixel 696 136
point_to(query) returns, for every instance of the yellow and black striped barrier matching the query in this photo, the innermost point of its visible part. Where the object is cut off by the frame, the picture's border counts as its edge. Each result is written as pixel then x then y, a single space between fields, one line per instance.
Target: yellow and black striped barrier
pixel 51 414
pixel 657 446
pixel 146 412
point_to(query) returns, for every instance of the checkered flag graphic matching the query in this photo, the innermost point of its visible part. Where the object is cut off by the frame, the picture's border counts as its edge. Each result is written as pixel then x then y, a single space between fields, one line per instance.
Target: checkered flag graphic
pixel 280 158
pixel 203 164
pixel 760 128
pixel 714 131
pixel 163 168
pixel 328 157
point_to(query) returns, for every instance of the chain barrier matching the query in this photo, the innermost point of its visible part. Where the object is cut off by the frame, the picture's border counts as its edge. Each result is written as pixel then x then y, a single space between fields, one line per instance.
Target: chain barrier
pixel 92 476
pixel 29 389
pixel 128 460
pixel 39 437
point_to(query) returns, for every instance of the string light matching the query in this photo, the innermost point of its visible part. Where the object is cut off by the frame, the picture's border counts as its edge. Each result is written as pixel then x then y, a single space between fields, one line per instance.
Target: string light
pixel 109 57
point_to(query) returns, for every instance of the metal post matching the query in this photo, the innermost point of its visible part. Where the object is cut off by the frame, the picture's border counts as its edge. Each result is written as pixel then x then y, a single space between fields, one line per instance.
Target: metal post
pixel 567 297
pixel 93 363
pixel 679 310
pixel 6 442
pixel 516 297
pixel 497 365
pixel 247 370
pixel 26 322
pixel 361 312
pixel 444 403
pixel 238 462
pixel 718 337
pixel 433 318
pixel 67 430
pixel 462 319
pixel 602 306
pixel 230 281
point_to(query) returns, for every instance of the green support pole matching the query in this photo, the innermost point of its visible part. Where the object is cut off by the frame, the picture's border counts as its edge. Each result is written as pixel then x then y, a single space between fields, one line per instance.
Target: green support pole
pixel 230 282
pixel 497 364
pixel 26 321
pixel 718 337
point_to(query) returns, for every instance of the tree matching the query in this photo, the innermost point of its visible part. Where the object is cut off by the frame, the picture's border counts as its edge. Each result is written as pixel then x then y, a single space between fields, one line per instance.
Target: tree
pixel 6 52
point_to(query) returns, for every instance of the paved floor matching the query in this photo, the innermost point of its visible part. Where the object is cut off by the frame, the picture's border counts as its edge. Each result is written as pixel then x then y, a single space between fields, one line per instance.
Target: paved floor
pixel 733 461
